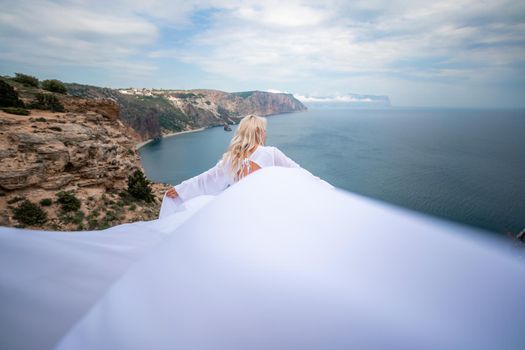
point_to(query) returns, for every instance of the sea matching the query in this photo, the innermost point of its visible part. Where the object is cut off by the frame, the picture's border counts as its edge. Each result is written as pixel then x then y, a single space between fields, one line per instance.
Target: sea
pixel 462 165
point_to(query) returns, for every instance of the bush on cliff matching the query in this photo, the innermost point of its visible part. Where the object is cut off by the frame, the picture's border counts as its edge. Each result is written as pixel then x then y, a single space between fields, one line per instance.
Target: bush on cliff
pixel 25 79
pixel 54 85
pixel 16 110
pixel 28 213
pixel 46 202
pixel 68 201
pixel 8 96
pixel 139 187
pixel 48 102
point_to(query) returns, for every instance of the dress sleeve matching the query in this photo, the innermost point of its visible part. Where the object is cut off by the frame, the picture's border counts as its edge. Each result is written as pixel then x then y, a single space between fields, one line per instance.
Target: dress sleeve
pixel 211 181
pixel 280 159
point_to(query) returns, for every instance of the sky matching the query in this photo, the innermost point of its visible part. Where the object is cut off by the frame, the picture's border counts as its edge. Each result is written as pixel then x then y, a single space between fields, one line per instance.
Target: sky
pixel 451 53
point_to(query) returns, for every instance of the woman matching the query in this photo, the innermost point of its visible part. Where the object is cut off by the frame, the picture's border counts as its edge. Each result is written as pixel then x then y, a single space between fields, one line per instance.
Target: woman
pixel 246 154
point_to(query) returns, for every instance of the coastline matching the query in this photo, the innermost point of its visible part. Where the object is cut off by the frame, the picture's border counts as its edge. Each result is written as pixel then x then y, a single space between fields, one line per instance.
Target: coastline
pixel 144 143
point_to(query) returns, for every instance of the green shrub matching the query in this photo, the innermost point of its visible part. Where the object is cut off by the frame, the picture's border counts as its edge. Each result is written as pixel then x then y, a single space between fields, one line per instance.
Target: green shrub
pixel 184 95
pixel 92 224
pixel 29 213
pixel 72 218
pixel 54 85
pixel 139 187
pixel 68 201
pixel 48 102
pixel 8 96
pixel 46 202
pixel 16 110
pixel 25 79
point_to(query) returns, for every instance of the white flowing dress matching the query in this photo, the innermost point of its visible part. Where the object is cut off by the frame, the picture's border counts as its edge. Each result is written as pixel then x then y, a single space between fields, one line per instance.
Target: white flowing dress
pixel 220 177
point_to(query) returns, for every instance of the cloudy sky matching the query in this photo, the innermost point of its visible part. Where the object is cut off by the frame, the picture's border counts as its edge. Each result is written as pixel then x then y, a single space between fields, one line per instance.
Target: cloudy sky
pixel 419 53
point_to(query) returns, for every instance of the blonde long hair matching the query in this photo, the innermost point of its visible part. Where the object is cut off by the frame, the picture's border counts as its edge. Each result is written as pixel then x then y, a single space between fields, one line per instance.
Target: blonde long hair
pixel 248 136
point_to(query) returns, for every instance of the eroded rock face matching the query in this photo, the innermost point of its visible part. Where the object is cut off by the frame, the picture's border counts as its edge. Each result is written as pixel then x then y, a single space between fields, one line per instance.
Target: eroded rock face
pixel 54 150
pixel 152 112
pixel 105 107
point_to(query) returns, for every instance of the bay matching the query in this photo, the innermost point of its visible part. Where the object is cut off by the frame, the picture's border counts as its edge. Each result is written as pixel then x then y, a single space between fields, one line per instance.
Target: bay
pixel 463 165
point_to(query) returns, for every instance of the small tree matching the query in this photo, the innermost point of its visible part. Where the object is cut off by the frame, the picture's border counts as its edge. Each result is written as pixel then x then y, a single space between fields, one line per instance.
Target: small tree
pixel 48 102
pixel 68 201
pixel 54 85
pixel 28 213
pixel 25 79
pixel 8 96
pixel 139 187
pixel 46 202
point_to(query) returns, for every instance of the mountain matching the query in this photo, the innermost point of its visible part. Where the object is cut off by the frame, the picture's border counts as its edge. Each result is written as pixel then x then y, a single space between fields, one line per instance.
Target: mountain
pixel 156 112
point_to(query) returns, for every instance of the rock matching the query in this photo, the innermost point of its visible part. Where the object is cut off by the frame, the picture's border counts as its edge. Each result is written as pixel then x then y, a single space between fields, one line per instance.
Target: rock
pixel 85 149
pixel 4 218
pixel 57 182
pixel 104 107
pixel 183 109
pixel 12 179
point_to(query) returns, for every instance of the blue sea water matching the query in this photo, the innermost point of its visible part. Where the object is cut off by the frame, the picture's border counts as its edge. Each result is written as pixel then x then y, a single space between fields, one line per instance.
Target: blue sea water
pixel 463 165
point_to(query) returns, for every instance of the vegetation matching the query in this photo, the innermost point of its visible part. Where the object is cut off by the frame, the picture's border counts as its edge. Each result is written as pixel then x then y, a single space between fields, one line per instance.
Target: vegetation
pixel 54 85
pixel 223 112
pixel 46 202
pixel 140 187
pixel 68 201
pixel 184 95
pixel 28 213
pixel 243 94
pixel 25 79
pixel 76 217
pixel 16 110
pixel 48 102
pixel 8 96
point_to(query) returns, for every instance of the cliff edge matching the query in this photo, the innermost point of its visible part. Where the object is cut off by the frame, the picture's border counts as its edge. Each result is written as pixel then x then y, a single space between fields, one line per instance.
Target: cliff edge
pixel 73 165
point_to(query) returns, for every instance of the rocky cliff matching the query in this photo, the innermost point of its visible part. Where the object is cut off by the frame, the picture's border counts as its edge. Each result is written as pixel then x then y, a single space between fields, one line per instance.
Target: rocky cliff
pixel 154 112
pixel 86 150
pixel 75 148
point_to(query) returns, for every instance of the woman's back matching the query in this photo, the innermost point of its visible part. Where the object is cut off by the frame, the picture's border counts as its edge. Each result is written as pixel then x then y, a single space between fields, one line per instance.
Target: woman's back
pixel 245 155
pixel 221 176
pixel 265 156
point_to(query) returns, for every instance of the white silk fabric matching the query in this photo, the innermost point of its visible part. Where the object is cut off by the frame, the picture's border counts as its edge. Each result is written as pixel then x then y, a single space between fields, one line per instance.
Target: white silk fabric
pixel 281 261
pixel 278 260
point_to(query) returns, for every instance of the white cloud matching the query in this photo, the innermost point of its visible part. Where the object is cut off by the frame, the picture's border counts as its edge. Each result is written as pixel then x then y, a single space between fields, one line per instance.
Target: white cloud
pixel 48 33
pixel 350 98
pixel 275 91
pixel 310 47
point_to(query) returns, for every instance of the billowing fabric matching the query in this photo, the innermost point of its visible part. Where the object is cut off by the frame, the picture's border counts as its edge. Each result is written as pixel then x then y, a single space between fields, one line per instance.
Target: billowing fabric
pixel 49 280
pixel 280 261
pixel 220 177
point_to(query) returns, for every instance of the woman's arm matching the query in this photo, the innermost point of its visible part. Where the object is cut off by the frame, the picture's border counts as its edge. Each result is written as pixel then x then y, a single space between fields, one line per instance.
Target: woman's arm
pixel 280 159
pixel 211 181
